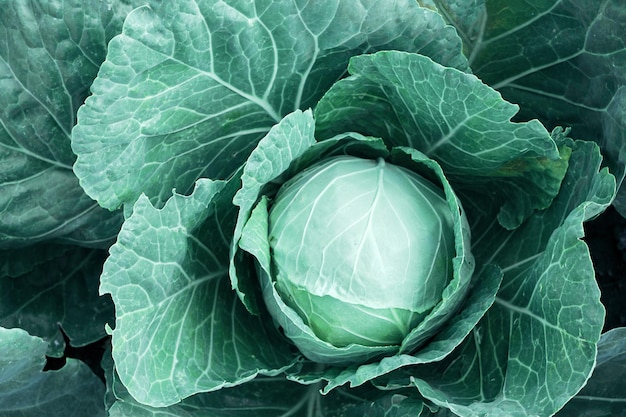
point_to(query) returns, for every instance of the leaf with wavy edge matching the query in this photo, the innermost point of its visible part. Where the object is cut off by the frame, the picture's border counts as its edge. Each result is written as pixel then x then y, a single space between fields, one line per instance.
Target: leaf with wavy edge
pixel 190 87
pixel 536 347
pixel 605 393
pixel 50 53
pixel 562 61
pixel 27 391
pixel 180 329
pixel 453 118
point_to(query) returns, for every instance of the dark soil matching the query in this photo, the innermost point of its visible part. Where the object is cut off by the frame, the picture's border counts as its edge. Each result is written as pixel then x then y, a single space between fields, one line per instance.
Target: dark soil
pixel 606 237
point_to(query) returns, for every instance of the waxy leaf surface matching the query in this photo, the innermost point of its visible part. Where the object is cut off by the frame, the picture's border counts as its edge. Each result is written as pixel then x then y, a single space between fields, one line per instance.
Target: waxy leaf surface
pixel 50 53
pixel 27 391
pixel 190 87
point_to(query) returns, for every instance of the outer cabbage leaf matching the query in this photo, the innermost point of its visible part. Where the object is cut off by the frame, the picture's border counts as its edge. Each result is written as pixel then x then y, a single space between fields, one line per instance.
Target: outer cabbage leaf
pixel 45 288
pixel 189 87
pixel 467 16
pixel 451 117
pixel 605 393
pixel 536 347
pixel 269 398
pixel 262 397
pixel 26 391
pixel 50 53
pixel 266 397
pixel 562 61
pixel 180 329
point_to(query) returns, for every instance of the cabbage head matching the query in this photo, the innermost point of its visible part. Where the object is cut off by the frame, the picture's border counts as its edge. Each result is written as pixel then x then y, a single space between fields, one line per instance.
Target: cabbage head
pixel 362 249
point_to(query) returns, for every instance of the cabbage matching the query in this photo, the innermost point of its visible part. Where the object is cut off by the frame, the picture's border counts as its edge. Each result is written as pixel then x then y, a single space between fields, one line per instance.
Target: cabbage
pixel 362 249
pixel 173 191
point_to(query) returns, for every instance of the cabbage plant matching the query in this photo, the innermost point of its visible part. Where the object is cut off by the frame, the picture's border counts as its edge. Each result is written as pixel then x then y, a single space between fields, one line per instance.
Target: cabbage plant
pixel 324 208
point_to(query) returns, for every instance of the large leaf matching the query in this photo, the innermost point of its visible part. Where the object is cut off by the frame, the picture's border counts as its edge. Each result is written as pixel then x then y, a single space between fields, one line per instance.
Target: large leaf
pixel 190 86
pixel 264 397
pixel 26 391
pixel 267 398
pixel 453 118
pixel 605 393
pixel 45 288
pixel 50 52
pixel 562 61
pixel 270 397
pixel 180 328
pixel 536 347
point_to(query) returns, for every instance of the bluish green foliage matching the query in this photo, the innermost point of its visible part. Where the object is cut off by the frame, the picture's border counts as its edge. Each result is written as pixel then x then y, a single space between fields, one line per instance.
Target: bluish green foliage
pixel 27 391
pixel 143 147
